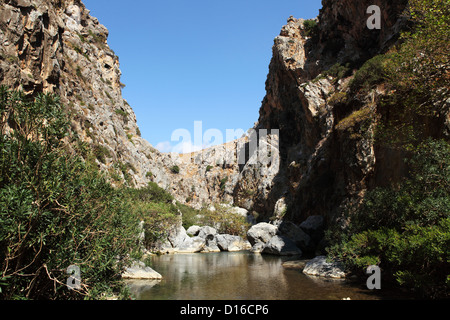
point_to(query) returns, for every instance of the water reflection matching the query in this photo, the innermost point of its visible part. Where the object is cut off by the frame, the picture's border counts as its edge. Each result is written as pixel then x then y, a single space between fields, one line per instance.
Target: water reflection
pixel 236 276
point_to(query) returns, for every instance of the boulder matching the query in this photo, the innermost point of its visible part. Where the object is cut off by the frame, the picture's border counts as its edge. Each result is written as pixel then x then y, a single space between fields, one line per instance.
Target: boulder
pixel 261 233
pixel 281 246
pixel 138 271
pixel 193 230
pixel 211 244
pixel 258 247
pixel 314 226
pixel 192 245
pixel 231 243
pixel 207 232
pixel 296 235
pixel 177 236
pixel 321 268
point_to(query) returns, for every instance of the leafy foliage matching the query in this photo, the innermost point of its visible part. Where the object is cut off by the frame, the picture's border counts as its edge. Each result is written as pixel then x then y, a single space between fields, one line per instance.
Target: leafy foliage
pixel 311 27
pixel 373 72
pixel 224 220
pixel 55 210
pixel 405 228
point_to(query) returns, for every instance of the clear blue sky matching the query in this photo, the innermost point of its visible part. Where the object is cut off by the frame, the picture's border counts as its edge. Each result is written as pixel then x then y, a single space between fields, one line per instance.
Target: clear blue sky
pixel 185 61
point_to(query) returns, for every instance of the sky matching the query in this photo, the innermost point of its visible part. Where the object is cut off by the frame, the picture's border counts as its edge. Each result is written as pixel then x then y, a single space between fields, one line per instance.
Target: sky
pixel 195 64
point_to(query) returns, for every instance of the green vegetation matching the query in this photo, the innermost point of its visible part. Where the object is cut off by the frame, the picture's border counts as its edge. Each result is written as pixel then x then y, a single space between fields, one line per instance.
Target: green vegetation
pixel 79 73
pixel 175 169
pixel 55 208
pixel 154 206
pixel 119 112
pixel 58 210
pixel 101 153
pixel 404 227
pixel 224 220
pixel 223 183
pixel 311 27
pixel 373 72
pixel 209 168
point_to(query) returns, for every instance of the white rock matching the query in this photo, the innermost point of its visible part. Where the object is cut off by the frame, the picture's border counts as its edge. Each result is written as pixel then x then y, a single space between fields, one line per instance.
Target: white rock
pixel 321 268
pixel 139 271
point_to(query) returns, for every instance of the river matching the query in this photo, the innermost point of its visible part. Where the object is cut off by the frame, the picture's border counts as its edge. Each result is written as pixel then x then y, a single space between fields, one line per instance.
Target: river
pixel 238 276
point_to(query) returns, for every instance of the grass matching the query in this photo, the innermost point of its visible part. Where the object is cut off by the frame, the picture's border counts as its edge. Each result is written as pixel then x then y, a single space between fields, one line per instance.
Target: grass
pixel 354 119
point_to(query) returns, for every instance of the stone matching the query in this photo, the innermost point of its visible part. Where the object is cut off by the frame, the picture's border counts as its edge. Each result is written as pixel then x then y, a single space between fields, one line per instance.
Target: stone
pixel 258 247
pixel 177 236
pixel 232 243
pixel 295 264
pixel 296 234
pixel 261 232
pixel 314 226
pixel 192 245
pixel 139 271
pixel 281 246
pixel 321 268
pixel 206 232
pixel 193 230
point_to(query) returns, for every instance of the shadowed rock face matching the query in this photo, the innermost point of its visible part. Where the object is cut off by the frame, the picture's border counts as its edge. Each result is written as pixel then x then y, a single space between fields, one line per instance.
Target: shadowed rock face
pixel 321 167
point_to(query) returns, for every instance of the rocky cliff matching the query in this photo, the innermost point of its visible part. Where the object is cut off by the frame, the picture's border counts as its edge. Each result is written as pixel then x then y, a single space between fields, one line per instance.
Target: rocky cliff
pixel 326 160
pixel 326 152
pixel 57 46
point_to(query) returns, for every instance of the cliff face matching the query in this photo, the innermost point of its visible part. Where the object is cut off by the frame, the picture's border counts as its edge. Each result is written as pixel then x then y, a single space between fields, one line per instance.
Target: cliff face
pixel 324 161
pixel 56 46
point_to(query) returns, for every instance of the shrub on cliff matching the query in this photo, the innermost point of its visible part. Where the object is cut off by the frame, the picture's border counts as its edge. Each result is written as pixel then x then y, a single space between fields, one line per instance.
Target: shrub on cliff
pixel 153 205
pixel 405 229
pixel 55 209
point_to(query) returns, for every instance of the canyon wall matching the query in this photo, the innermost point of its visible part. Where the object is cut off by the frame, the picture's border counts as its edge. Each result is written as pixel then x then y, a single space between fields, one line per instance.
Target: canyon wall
pixel 326 154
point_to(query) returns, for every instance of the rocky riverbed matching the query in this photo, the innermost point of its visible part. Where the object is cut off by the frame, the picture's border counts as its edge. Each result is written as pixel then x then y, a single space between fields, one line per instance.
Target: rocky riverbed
pixel 277 238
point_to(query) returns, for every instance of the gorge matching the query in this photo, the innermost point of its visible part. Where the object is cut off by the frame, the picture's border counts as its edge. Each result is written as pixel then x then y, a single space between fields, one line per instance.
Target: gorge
pixel 327 155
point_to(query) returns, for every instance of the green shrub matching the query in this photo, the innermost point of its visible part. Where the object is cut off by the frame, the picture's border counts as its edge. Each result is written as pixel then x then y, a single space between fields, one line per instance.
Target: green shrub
pixel 311 27
pixel 175 169
pixel 372 73
pixel 55 209
pixel 223 183
pixel 224 220
pixel 119 112
pixel 339 71
pixel 101 153
pixel 189 215
pixel 209 168
pixel 405 229
pixel 151 193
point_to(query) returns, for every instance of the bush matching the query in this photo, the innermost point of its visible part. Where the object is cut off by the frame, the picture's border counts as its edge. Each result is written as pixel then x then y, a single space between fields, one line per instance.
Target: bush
pixel 151 193
pixel 101 153
pixel 175 169
pixel 55 210
pixel 373 72
pixel 310 27
pixel 405 229
pixel 223 183
pixel 224 220
pixel 189 215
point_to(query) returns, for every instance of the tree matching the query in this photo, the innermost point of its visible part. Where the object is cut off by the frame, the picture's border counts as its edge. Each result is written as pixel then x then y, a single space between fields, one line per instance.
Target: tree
pixel 55 210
